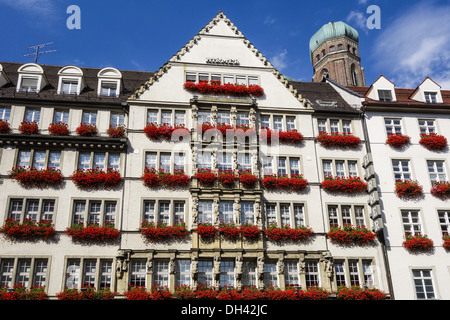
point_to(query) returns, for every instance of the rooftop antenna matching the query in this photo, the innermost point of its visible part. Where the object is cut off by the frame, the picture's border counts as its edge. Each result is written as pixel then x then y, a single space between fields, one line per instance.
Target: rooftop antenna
pixel 37 50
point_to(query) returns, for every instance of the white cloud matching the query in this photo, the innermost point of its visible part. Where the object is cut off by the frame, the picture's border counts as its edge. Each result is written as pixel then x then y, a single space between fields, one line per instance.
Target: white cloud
pixel 279 60
pixel 416 45
pixel 38 7
pixel 270 20
pixel 358 19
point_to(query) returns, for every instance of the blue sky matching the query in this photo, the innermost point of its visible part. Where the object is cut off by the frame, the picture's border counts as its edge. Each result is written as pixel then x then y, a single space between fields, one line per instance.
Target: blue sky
pixel 413 42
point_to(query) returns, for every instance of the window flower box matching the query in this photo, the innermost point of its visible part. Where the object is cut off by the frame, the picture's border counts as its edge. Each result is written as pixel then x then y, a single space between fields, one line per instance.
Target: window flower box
pixel 116 131
pixel 446 244
pixel 87 292
pixel 58 129
pixel 397 140
pixel 162 232
pixel 28 230
pixel 249 231
pixel 433 141
pixel 20 292
pixel 216 88
pixel 206 177
pixel 247 179
pixel 206 231
pixel 338 140
pixel 358 293
pixel 441 190
pixel 344 184
pixel 284 137
pixel 155 178
pixel 29 128
pixel 351 235
pixel 286 233
pixel 87 130
pixel 295 183
pixel 229 230
pixel 408 189
pixel 93 232
pixel 4 126
pixel 417 243
pixel 32 177
pixel 165 131
pixel 226 178
pixel 90 179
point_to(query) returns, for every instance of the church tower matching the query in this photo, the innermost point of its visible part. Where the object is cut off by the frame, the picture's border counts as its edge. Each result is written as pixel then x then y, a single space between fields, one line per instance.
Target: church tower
pixel 334 54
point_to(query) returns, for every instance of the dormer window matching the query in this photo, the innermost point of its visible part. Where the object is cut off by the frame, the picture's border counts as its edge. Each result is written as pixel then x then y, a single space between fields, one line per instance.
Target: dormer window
pixel 430 97
pixel 69 86
pixel 29 84
pixel 71 80
pixel 384 95
pixel 109 82
pixel 31 78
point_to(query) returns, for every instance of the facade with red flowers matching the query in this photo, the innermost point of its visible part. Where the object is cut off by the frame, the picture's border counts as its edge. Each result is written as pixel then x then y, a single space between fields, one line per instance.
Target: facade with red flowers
pixel 408 159
pixel 214 170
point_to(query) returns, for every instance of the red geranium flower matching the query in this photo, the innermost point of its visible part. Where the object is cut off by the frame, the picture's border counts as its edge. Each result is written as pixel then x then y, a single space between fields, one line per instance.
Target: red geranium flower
pixel 338 140
pixel 4 126
pixel 433 141
pixel 87 130
pixel 417 243
pixel 397 140
pixel 28 128
pixel 344 184
pixel 408 188
pixel 59 129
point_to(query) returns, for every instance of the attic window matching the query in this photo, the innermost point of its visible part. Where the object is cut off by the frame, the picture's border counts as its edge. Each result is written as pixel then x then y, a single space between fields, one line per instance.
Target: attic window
pixel 109 82
pixel 327 103
pixel 108 89
pixel 69 86
pixel 385 95
pixel 29 84
pixel 430 97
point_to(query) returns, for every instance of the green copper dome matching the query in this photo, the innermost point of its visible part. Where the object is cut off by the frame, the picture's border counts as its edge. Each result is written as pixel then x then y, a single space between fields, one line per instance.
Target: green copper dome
pixel 332 30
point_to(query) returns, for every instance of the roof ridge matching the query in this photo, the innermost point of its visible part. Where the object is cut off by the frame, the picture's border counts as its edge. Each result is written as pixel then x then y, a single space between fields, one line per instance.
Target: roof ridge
pixel 220 16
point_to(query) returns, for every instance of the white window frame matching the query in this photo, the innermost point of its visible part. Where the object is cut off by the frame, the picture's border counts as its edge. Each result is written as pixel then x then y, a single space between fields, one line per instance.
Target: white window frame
pixel 355 214
pixel 86 215
pixel 10 273
pixel 434 170
pixel 23 212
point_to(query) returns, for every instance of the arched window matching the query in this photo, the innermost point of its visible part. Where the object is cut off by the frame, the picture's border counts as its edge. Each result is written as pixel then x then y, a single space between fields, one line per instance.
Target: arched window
pixel 353 75
pixel 332 49
pixel 340 47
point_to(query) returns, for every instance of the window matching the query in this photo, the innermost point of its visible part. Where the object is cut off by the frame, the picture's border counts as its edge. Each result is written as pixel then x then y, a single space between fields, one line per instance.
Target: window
pixel 339 272
pixel 401 169
pixel 423 284
pixel 242 119
pixel 28 272
pixel 164 211
pixel 270 274
pixel 32 115
pixel 283 166
pixel 34 209
pixel 161 273
pixel 299 215
pixel 227 273
pixel 249 273
pixel 278 122
pixel 117 119
pixel 205 272
pixel 226 214
pixel 411 222
pixel 205 211
pixel 180 118
pixel 94 272
pixel 340 215
pixel 102 161
pixel 89 117
pixel 436 169
pixel 430 97
pixel 108 88
pixel 223 117
pixel 225 161
pixel 271 213
pixel 290 214
pixel 39 159
pixel 285 214
pixel 368 273
pixel 29 84
pixel 169 162
pixel 291 273
pixel 244 162
pixel 94 211
pixel 247 212
pixel 427 126
pixel 312 274
pixel 385 95
pixel 393 126
pixel 334 125
pixel 191 77
pixel 444 221
pixel 61 116
pixel 332 49
pixel 204 160
pixel 340 168
pixel 354 273
pixel 5 113
pixel 69 86
pixel 182 273
pixel 204 117
pixel 138 272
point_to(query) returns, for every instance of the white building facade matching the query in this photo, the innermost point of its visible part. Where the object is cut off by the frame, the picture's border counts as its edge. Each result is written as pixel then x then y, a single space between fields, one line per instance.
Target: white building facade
pixel 219 52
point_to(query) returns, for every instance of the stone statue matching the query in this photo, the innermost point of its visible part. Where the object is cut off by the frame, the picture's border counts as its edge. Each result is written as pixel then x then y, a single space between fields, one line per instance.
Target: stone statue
pixel 194 267
pixel 194 210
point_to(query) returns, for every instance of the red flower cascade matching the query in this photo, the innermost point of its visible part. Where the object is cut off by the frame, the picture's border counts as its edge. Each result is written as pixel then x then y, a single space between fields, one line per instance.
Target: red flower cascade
pixel 433 141
pixel 32 177
pixel 215 87
pixel 338 140
pixel 344 184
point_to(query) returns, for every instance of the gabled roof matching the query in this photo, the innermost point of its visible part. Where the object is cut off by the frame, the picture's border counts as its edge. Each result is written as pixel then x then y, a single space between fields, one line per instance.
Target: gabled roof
pixel 219 17
pixel 131 80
